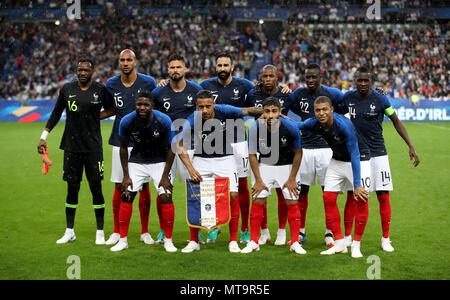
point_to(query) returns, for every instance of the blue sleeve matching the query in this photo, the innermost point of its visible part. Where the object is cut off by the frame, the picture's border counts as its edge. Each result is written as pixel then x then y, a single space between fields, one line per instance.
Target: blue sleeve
pixel 385 102
pixel 188 127
pixel 231 111
pixel 249 99
pixel 253 138
pixel 150 82
pixel 204 84
pixel 294 131
pixel 248 85
pixel 124 124
pixel 307 124
pixel 167 125
pixel 337 99
pixel 351 142
pixel 156 94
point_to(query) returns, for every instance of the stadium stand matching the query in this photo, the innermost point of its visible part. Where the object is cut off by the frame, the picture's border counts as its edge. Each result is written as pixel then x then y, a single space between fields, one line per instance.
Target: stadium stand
pixel 407 48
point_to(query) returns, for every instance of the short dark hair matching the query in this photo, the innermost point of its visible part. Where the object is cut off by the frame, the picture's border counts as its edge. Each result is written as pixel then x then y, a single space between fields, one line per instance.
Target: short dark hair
pixel 204 94
pixel 86 59
pixel 176 56
pixel 312 66
pixel 271 101
pixel 145 94
pixel 363 69
pixel 224 54
pixel 323 99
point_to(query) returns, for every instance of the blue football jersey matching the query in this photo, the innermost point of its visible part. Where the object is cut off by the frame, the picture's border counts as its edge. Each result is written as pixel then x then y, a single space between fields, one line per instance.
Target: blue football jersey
pixel 367 115
pixel 303 106
pixel 256 98
pixel 233 94
pixel 281 152
pixel 150 143
pixel 212 138
pixel 177 105
pixel 124 99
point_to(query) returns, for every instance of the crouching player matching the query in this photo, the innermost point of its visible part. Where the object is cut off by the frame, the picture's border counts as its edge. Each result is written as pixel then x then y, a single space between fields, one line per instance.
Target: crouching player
pixel 150 160
pixel 344 169
pixel 278 143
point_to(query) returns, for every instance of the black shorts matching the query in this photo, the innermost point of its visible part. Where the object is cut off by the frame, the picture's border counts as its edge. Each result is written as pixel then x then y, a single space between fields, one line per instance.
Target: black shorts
pixel 74 162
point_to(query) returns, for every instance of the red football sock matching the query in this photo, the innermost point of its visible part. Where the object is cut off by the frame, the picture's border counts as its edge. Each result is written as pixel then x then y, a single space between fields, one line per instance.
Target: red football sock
pixel 194 233
pixel 332 215
pixel 256 215
pixel 264 219
pixel 282 209
pixel 159 210
pixel 168 213
pixel 385 213
pixel 349 213
pixel 293 216
pixel 362 214
pixel 125 212
pixel 244 202
pixel 234 222
pixel 117 199
pixel 144 209
pixel 303 206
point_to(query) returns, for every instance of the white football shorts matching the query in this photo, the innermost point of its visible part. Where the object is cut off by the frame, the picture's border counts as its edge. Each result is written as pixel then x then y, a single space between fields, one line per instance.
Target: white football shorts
pixel 240 154
pixel 274 177
pixel 314 165
pixel 116 165
pixel 381 174
pixel 144 173
pixel 212 167
pixel 339 176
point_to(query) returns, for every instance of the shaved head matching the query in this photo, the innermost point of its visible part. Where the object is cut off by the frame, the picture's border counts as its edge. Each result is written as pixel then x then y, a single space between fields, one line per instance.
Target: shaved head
pixel 128 51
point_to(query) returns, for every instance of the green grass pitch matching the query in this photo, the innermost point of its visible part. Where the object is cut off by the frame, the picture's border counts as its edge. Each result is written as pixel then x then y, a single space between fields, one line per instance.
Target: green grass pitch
pixel 32 219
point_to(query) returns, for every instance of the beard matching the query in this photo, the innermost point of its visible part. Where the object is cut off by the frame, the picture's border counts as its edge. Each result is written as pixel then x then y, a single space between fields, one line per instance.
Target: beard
pixel 224 75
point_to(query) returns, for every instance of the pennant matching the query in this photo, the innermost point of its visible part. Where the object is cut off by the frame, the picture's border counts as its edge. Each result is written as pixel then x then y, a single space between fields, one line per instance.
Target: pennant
pixel 208 203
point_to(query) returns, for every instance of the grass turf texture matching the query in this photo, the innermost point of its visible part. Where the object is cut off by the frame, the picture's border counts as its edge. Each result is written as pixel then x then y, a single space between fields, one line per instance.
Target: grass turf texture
pixel 33 204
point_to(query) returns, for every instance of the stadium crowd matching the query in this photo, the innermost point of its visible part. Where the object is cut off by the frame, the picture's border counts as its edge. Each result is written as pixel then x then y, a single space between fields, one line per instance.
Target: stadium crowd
pixel 36 58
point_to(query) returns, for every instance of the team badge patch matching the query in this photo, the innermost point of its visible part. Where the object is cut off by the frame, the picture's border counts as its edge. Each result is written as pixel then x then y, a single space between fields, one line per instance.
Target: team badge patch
pixel 208 203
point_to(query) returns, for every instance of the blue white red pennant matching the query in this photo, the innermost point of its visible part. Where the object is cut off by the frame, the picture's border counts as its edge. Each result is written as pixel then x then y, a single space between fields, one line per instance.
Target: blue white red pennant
pixel 208 203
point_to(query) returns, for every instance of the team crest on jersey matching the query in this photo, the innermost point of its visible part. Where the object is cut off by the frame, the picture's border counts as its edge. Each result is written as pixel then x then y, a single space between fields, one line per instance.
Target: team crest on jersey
pixel 156 133
pixel 283 141
pixel 235 94
pixel 190 101
pixel 95 95
pixel 372 109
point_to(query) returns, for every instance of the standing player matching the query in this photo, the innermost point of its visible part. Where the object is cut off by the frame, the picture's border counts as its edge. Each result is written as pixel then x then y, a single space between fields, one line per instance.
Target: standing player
pixel 151 159
pixel 344 168
pixel 231 90
pixel 121 94
pixel 177 100
pixel 269 79
pixel 82 144
pixel 278 143
pixel 213 153
pixel 367 110
pixel 316 152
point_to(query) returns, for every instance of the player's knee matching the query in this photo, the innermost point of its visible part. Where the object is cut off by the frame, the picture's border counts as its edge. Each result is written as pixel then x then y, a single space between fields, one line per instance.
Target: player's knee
pixel 165 198
pixel 234 195
pixel 72 193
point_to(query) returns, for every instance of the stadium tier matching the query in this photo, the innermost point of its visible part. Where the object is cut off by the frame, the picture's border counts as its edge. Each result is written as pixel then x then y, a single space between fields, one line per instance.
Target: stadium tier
pixel 406 48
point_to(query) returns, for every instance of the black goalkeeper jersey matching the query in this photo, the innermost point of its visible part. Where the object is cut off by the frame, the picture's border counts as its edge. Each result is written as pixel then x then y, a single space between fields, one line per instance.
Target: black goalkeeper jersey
pixel 82 131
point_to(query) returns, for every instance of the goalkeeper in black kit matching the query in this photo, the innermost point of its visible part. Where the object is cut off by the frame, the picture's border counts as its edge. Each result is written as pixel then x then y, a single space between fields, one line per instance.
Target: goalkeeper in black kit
pixel 82 144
